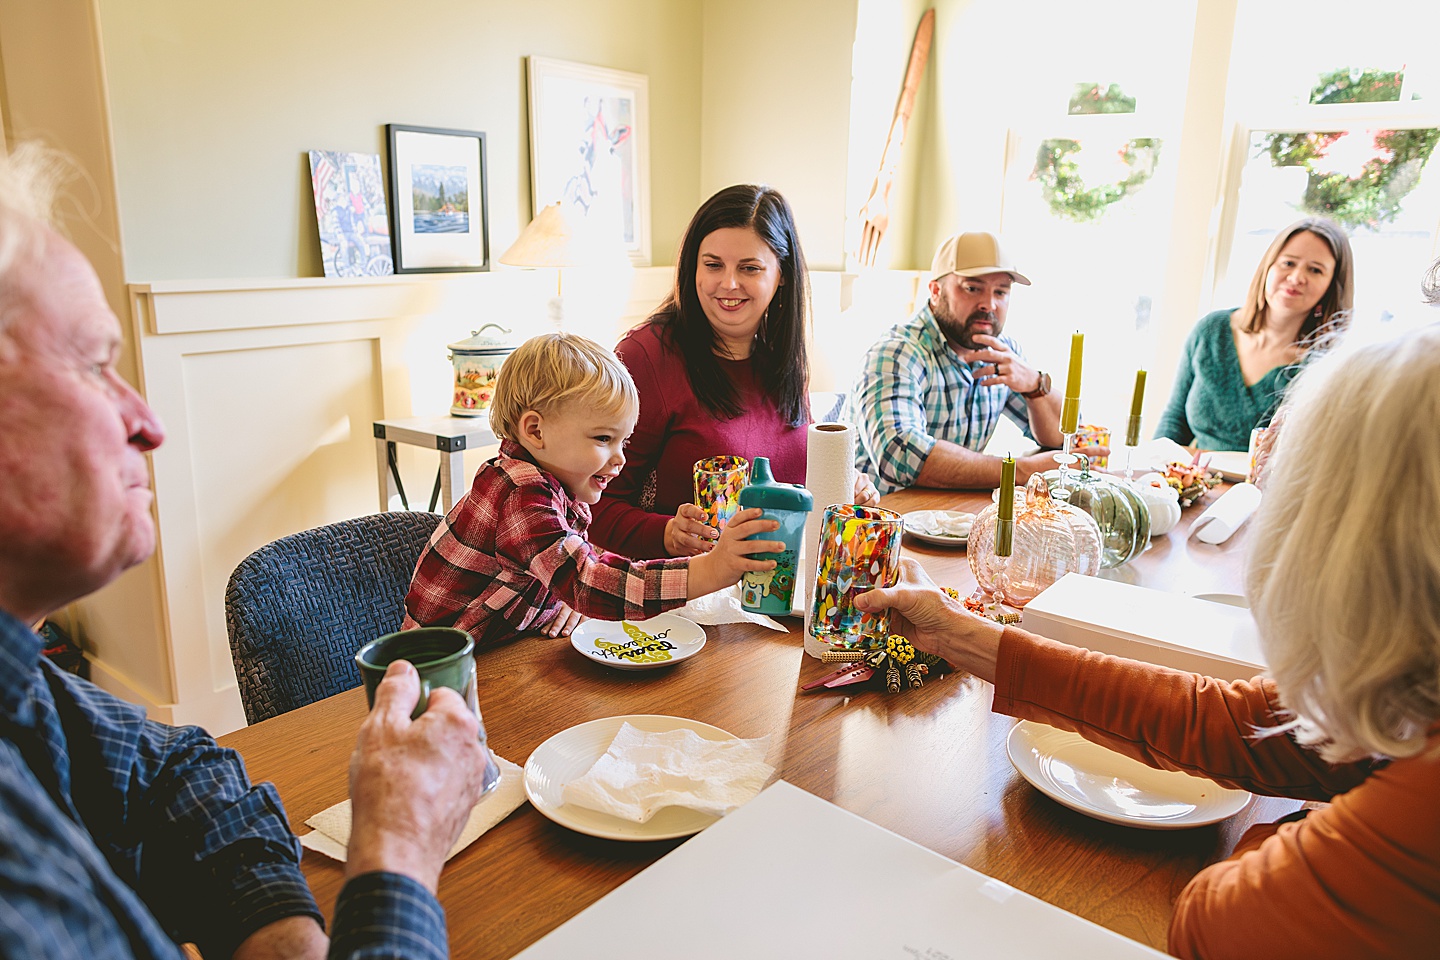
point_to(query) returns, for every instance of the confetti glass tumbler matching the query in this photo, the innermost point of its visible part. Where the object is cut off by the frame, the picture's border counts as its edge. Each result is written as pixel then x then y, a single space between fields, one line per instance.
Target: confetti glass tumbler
pixel 859 550
pixel 718 482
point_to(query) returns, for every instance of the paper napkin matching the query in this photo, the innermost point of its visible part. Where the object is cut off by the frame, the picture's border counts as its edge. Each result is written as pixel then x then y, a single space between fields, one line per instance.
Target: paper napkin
pixel 1225 515
pixel 643 772
pixel 723 606
pixel 332 826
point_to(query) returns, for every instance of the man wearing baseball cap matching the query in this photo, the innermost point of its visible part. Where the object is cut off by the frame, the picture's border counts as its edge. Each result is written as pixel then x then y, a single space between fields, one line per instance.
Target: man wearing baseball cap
pixel 932 390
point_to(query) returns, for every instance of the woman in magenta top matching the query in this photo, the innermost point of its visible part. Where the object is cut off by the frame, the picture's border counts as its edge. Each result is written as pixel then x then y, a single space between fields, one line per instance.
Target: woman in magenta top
pixel 721 369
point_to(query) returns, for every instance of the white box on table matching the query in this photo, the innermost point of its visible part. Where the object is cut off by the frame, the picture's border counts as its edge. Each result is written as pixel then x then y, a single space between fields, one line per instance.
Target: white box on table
pixel 790 875
pixel 1198 636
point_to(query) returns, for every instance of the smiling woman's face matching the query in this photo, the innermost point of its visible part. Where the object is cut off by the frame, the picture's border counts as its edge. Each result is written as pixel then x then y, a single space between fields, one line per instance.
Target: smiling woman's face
pixel 1299 277
pixel 736 277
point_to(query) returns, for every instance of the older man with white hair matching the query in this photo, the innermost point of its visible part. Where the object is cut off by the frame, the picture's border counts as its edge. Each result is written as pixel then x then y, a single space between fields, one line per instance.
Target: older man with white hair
pixel 120 836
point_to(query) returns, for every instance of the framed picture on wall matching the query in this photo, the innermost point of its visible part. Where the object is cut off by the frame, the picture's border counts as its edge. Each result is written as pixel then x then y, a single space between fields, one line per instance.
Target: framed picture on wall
pixel 438 212
pixel 590 147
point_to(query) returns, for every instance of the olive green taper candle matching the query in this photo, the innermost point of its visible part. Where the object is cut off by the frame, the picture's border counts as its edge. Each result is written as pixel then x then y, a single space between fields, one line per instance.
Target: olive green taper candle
pixel 1070 412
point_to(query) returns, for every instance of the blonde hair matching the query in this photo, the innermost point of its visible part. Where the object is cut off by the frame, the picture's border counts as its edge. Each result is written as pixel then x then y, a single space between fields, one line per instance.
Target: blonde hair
pixel 1344 577
pixel 30 177
pixel 555 369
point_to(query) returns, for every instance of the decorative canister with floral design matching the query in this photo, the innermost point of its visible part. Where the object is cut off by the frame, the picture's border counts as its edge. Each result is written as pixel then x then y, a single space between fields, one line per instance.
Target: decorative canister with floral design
pixel 477 361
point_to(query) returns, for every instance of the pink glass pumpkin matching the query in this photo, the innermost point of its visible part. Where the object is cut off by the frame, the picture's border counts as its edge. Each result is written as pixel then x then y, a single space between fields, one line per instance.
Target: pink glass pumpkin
pixel 1052 539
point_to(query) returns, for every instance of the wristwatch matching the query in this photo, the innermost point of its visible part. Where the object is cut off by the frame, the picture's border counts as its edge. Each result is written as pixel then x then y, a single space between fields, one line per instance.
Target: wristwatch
pixel 1040 390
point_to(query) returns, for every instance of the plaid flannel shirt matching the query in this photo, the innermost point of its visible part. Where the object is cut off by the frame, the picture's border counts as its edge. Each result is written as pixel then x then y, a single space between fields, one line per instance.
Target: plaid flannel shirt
pixel 913 390
pixel 514 549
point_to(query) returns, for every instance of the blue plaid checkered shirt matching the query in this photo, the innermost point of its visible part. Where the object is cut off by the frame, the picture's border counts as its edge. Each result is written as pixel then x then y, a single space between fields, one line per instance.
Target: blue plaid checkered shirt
pixel 122 837
pixel 914 390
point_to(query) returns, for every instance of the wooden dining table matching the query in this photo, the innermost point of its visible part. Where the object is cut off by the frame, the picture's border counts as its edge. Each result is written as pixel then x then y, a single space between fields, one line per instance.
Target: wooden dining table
pixel 929 764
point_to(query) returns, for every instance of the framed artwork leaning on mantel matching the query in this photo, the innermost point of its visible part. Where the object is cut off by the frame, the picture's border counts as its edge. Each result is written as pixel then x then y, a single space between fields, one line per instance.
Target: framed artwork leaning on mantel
pixel 438 205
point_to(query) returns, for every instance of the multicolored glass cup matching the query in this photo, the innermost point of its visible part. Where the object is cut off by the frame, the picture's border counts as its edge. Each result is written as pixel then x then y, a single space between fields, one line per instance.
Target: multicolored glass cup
pixel 1260 442
pixel 1088 434
pixel 859 550
pixel 718 482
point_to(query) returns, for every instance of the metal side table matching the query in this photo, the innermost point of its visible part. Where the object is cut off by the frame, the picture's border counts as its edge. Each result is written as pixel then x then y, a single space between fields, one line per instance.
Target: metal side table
pixel 452 436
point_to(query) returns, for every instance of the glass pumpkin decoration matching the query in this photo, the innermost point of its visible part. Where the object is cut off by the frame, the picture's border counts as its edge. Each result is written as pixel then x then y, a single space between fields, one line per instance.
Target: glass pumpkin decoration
pixel 1052 539
pixel 1118 509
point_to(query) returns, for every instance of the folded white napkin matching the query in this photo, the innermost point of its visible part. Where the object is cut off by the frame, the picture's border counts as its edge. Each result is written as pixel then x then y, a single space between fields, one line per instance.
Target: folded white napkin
pixel 723 606
pixel 952 523
pixel 332 826
pixel 644 772
pixel 1226 515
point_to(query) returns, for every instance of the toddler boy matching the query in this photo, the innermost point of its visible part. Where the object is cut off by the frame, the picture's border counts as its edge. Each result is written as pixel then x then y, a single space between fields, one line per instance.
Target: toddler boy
pixel 512 556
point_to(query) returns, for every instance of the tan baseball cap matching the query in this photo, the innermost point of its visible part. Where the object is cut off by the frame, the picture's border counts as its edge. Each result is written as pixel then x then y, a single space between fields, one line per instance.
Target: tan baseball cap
pixel 973 255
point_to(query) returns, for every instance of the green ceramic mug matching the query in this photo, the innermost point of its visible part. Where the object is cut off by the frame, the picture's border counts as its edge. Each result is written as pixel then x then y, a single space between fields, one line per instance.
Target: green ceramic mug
pixel 443 656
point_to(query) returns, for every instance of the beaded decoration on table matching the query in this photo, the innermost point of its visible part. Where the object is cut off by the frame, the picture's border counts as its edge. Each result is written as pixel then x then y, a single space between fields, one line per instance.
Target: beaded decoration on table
pixel 897 658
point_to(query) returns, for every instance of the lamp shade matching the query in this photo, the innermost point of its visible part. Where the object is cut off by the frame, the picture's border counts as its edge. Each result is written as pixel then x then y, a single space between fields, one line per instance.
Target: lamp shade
pixel 560 237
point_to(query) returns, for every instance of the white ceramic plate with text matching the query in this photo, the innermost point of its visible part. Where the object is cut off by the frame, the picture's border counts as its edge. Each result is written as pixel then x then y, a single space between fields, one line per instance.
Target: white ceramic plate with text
pixel 662 640
pixel 944 528
pixel 571 753
pixel 1101 783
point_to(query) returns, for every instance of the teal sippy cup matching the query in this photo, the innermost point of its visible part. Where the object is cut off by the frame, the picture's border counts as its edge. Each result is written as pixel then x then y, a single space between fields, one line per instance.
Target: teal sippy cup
pixel 770 591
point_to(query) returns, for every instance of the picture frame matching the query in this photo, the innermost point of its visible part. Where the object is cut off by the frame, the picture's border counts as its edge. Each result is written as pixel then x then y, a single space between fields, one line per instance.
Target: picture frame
pixel 590 147
pixel 439 207
pixel 350 212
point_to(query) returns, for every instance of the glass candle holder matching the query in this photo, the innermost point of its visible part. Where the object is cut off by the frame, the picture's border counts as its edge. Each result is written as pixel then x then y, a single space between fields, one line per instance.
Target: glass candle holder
pixel 859 550
pixel 718 482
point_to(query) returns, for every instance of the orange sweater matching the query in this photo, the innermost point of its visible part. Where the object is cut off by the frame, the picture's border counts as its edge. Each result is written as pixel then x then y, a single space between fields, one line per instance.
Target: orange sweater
pixel 1360 878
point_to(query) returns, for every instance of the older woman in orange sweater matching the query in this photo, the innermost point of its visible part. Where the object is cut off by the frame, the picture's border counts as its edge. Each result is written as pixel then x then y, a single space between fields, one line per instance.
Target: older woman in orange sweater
pixel 1344 583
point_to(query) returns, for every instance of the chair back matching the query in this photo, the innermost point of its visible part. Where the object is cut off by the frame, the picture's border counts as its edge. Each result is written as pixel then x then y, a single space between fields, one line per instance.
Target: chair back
pixel 298 608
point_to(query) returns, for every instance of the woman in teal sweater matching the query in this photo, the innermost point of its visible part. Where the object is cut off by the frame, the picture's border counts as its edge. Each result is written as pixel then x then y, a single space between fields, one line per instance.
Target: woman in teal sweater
pixel 1237 363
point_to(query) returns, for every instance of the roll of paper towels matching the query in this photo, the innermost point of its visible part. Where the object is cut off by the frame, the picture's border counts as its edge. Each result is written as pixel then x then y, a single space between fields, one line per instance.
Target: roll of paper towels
pixel 1224 517
pixel 830 478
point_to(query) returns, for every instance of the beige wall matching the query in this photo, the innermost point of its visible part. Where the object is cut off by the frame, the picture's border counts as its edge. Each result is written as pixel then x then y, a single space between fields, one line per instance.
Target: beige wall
pixel 775 108
pixel 61 99
pixel 214 106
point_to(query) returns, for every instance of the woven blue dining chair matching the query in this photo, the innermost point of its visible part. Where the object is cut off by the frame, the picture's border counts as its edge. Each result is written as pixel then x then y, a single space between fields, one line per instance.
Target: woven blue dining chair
pixel 298 608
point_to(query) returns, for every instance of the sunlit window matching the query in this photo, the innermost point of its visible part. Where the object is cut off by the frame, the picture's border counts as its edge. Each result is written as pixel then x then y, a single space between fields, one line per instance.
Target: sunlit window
pixel 1341 123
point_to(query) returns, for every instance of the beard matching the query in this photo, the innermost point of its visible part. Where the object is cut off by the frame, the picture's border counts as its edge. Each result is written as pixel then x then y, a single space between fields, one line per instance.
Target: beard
pixel 961 333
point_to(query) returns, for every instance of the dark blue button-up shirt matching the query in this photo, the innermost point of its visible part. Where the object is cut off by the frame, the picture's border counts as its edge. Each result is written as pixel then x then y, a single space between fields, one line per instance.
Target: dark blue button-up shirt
pixel 123 837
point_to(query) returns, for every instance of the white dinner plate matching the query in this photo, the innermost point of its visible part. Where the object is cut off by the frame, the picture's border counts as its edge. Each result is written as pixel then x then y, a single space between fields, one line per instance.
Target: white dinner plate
pixel 571 753
pixel 935 526
pixel 662 640
pixel 1234 465
pixel 1101 783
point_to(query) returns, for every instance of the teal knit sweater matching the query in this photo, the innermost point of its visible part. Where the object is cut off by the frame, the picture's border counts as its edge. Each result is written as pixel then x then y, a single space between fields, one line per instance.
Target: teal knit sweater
pixel 1211 406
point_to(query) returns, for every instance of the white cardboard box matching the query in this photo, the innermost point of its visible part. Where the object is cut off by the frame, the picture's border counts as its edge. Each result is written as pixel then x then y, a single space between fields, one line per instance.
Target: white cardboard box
pixel 789 875
pixel 1198 636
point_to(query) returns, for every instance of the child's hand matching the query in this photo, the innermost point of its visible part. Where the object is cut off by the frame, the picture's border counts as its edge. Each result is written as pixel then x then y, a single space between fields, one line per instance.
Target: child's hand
pixel 687 533
pixel 561 623
pixel 731 557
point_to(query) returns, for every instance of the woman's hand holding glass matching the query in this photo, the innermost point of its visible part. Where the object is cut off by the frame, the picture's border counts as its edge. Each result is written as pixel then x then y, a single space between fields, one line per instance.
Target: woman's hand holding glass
pixel 935 623
pixel 687 534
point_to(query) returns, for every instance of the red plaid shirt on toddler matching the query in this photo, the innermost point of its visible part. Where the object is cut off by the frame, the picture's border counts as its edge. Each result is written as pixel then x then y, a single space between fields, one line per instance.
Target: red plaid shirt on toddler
pixel 514 549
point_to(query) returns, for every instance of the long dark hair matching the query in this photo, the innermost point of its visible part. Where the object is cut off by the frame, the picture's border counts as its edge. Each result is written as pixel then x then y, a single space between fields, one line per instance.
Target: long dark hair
pixel 778 357
pixel 1332 313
